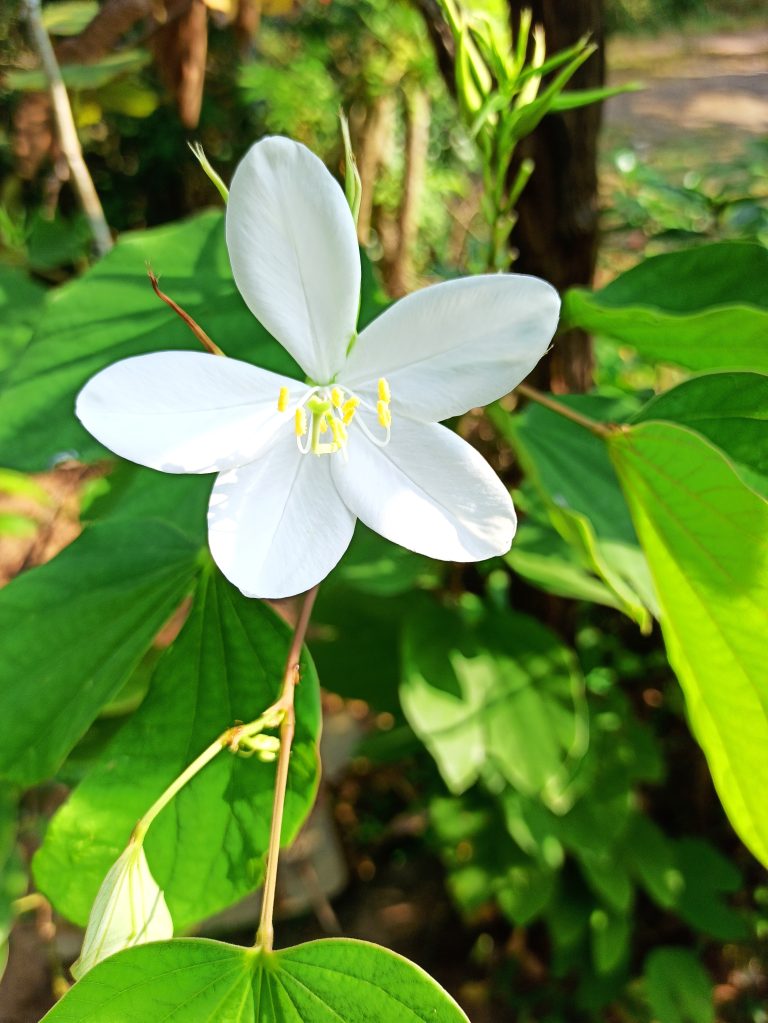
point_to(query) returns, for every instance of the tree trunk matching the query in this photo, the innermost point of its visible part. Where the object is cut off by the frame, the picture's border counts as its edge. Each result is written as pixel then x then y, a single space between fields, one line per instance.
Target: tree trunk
pixel 557 230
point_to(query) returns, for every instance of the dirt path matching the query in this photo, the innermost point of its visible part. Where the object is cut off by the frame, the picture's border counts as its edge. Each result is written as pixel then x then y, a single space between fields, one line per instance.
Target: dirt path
pixel 715 86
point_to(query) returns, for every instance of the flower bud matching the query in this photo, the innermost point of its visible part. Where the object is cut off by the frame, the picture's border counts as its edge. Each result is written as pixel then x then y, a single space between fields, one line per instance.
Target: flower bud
pixel 129 910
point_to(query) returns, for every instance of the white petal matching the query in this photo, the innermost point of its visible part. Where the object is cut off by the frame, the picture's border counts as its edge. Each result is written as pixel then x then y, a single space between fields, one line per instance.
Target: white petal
pixel 185 411
pixel 427 490
pixel 278 526
pixel 294 252
pixel 457 345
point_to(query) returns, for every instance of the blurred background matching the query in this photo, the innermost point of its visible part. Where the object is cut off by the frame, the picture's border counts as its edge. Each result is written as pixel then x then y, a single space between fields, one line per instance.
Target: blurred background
pixel 668 920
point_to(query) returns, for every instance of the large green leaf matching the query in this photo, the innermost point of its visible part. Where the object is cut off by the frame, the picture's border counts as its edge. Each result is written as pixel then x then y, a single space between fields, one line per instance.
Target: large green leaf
pixel 705 535
pixel 206 849
pixel 702 308
pixel 21 305
pixel 571 470
pixel 331 981
pixel 503 693
pixel 82 76
pixel 74 630
pixel 110 313
pixel 729 409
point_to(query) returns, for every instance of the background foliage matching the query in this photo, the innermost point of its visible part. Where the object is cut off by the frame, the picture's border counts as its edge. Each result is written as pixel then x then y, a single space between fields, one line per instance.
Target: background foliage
pixel 540 730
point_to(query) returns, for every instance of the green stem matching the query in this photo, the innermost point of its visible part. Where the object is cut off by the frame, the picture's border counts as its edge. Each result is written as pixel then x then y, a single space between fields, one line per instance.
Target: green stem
pixel 223 741
pixel 266 932
pixel 598 429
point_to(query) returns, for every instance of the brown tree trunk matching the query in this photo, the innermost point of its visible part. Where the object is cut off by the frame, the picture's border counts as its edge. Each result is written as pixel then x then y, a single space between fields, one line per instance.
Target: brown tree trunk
pixel 417 118
pixel 557 230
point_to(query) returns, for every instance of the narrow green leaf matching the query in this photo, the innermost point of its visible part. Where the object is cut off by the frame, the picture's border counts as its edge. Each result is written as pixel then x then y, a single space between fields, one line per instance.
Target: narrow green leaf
pixel 330 981
pixel 703 308
pixel 705 535
pixel 730 410
pixel 83 76
pixel 74 630
pixel 206 849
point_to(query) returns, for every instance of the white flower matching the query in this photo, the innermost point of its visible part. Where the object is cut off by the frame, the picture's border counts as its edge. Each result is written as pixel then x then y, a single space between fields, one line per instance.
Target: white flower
pixel 129 910
pixel 280 518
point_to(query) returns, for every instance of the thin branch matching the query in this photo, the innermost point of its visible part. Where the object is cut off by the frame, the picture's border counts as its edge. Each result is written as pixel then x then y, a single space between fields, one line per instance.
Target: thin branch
pixel 65 124
pixel 602 430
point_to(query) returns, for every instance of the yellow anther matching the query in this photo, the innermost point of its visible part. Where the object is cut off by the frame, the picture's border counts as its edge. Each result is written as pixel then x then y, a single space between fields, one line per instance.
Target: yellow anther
pixel 337 397
pixel 382 411
pixel 323 424
pixel 300 422
pixel 348 410
pixel 385 394
pixel 282 399
pixel 339 432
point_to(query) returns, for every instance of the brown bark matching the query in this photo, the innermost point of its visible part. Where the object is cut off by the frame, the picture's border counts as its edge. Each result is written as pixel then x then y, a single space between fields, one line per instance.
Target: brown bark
pixel 417 117
pixel 180 50
pixel 557 230
pixel 372 140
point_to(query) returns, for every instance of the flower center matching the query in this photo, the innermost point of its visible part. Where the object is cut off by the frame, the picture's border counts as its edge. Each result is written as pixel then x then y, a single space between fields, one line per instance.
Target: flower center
pixel 322 416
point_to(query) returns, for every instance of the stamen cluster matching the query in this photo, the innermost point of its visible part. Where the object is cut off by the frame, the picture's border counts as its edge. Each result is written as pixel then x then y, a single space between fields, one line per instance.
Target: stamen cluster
pixel 330 410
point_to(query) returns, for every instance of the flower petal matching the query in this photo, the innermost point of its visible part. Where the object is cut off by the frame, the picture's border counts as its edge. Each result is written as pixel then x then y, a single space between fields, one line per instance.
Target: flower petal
pixel 427 490
pixel 185 411
pixel 294 253
pixel 457 345
pixel 278 526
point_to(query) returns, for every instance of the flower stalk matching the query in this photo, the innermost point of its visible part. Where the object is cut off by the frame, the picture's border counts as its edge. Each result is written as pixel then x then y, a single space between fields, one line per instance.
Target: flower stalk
pixel 266 932
pixel 602 430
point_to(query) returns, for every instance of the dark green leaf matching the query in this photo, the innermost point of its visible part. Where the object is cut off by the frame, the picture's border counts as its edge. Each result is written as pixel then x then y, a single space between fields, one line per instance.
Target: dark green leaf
pixel 110 313
pixel 75 629
pixel 206 849
pixel 702 308
pixel 21 305
pixel 678 987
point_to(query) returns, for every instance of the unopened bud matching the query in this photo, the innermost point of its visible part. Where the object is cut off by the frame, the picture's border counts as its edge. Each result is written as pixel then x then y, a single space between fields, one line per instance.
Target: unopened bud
pixel 129 910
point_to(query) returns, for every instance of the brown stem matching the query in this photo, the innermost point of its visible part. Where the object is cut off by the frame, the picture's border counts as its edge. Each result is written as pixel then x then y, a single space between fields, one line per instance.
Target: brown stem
pixel 266 933
pixel 599 429
pixel 196 329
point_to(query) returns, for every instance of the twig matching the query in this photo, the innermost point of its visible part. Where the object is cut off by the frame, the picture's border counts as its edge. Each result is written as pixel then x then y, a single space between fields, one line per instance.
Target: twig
pixel 65 124
pixel 196 329
pixel 601 430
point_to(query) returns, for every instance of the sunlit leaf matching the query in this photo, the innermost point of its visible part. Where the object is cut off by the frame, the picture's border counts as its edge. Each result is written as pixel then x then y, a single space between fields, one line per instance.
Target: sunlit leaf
pixel 706 538
pixel 330 981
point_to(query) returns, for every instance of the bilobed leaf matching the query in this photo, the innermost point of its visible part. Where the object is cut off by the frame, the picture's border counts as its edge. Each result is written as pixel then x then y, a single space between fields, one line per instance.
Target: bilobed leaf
pixel 730 410
pixel 678 987
pixel 206 849
pixel 705 535
pixel 330 981
pixel 504 690
pixel 702 308
pixel 74 630
pixel 111 313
